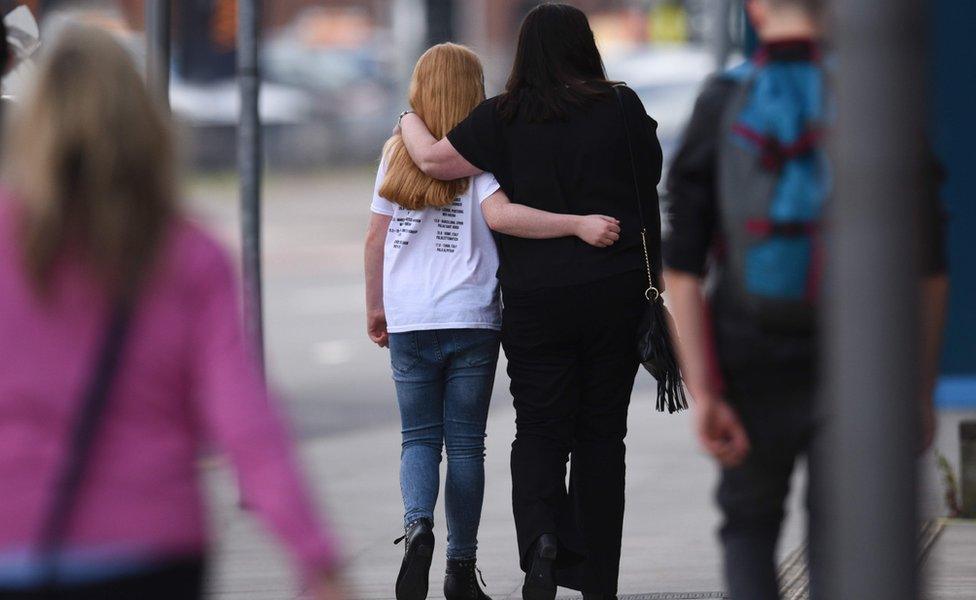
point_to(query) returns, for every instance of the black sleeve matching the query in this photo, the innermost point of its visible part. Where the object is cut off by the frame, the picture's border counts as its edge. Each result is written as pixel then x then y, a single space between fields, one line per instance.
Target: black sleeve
pixel 650 162
pixel 646 135
pixel 477 137
pixel 931 217
pixel 691 203
pixel 652 202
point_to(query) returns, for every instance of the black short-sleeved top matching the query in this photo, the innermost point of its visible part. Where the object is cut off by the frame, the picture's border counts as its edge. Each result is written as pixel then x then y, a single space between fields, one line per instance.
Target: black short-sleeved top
pixel 580 165
pixel 752 361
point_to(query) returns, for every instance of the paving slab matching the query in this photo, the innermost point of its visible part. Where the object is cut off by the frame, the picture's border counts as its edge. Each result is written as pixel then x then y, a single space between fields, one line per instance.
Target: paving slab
pixel 950 569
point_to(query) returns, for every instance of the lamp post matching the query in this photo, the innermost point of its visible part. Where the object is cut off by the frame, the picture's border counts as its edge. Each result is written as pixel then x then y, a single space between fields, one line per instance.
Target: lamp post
pixel 872 305
pixel 440 21
pixel 249 164
pixel 157 18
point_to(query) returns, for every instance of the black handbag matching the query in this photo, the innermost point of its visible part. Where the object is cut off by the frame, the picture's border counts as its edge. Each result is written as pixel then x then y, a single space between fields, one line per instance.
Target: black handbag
pixel 88 421
pixel 654 344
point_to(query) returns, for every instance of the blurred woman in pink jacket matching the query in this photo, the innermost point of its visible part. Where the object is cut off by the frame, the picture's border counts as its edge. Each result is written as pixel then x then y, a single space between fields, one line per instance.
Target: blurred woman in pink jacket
pixel 121 355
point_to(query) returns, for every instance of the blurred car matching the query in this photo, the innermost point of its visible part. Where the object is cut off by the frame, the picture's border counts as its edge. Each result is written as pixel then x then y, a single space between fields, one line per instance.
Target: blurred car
pixel 208 113
pixel 667 80
pixel 219 103
pixel 351 89
pixel 326 96
pixel 342 61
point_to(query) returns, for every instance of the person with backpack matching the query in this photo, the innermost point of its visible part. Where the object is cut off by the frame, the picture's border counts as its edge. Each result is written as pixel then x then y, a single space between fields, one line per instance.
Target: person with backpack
pixel 743 259
pixel 123 355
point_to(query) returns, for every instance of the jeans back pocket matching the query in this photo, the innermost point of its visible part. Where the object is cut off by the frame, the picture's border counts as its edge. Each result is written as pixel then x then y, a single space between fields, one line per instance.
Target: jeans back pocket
pixel 477 347
pixel 404 352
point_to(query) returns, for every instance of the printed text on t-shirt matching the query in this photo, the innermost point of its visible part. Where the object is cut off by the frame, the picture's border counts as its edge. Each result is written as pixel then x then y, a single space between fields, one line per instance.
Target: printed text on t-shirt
pixel 449 226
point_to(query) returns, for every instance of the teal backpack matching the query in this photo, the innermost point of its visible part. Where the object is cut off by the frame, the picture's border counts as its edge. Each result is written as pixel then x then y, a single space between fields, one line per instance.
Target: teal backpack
pixel 773 184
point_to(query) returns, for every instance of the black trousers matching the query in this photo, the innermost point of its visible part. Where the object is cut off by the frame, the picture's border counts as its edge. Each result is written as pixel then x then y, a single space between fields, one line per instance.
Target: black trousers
pixel 572 360
pixel 177 580
pixel 782 428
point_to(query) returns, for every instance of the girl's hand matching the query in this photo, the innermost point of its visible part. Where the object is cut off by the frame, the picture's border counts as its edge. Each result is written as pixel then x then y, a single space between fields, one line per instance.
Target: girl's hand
pixel 598 230
pixel 376 328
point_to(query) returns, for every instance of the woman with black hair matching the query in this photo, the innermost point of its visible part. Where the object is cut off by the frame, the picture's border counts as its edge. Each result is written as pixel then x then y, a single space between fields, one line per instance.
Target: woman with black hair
pixel 557 140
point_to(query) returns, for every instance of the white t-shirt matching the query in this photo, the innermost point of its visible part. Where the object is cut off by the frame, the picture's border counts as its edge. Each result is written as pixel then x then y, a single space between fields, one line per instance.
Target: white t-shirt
pixel 440 264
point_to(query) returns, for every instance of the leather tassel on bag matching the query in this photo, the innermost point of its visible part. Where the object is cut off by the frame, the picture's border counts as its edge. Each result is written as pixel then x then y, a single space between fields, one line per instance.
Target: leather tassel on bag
pixel 654 343
pixel 658 356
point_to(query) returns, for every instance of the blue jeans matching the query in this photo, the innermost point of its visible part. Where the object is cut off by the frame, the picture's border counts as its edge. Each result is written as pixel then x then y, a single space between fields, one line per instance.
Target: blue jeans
pixel 443 382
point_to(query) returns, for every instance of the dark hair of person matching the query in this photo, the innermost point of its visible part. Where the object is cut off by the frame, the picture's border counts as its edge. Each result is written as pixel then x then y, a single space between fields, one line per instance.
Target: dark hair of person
pixel 557 66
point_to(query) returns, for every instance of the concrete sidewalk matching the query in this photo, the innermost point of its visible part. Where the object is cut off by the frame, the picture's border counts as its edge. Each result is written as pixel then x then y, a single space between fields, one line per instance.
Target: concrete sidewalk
pixel 669 530
pixel 669 549
pixel 950 567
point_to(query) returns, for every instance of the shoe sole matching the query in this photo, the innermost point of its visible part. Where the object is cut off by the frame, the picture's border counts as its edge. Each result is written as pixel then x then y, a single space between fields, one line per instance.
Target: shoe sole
pixel 414 579
pixel 539 583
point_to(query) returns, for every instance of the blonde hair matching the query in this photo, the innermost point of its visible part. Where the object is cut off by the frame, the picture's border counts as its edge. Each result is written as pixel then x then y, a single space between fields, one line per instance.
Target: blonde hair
pixel 90 155
pixel 447 84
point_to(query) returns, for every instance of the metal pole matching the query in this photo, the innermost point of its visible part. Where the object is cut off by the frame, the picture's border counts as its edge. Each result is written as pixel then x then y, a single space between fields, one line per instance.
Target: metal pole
pixel 157 16
pixel 249 167
pixel 872 304
pixel 440 21
pixel 721 18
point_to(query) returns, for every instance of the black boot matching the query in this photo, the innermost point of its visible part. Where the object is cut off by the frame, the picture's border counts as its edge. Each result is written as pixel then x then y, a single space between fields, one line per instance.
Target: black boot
pixel 461 581
pixel 414 574
pixel 540 581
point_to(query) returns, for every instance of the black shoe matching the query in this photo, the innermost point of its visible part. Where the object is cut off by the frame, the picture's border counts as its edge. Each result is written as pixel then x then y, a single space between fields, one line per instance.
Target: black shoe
pixel 461 581
pixel 414 574
pixel 590 596
pixel 540 581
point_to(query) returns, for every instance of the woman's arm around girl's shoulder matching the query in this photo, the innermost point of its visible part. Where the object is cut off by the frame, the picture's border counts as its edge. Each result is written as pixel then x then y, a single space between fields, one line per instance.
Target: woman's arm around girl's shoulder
pixel 436 158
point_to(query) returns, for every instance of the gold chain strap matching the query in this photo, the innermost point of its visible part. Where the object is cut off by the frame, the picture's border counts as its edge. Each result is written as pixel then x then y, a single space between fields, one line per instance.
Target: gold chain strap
pixel 651 293
pixel 651 290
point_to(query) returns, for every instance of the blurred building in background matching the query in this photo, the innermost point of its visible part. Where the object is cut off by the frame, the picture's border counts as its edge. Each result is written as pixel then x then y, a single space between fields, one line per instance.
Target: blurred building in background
pixel 336 71
pixel 335 75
